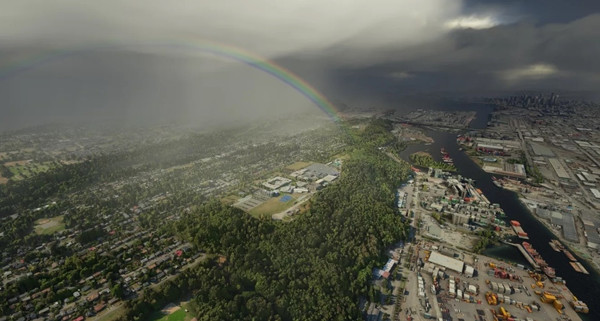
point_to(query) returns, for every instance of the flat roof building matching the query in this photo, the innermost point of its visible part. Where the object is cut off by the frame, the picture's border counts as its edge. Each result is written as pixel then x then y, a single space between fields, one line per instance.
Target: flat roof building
pixel 446 261
pixel 558 168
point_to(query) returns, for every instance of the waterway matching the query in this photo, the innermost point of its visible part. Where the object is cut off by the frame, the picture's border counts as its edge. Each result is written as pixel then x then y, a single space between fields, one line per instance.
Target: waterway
pixel 585 287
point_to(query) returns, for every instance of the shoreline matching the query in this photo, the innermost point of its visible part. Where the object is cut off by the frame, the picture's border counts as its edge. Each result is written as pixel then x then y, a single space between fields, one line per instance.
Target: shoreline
pixel 595 266
pixel 582 254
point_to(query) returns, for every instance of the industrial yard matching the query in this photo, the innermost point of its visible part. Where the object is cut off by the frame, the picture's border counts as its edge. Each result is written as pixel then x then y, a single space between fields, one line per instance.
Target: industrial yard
pixel 475 287
pixel 440 275
pixel 546 149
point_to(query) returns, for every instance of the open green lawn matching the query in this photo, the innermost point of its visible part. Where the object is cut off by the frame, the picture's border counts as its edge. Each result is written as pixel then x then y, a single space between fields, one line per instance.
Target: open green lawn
pixel 272 206
pixel 178 315
pixel 297 166
pixel 49 225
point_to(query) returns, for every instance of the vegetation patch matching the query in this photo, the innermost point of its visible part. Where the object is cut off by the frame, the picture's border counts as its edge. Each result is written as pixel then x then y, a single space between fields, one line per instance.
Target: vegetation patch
pixel 315 267
pixel 425 160
pixel 230 199
pixel 111 315
pixel 25 168
pixel 46 226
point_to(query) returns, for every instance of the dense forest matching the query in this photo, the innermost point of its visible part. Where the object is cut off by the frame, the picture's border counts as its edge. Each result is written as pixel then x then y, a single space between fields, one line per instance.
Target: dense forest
pixel 313 268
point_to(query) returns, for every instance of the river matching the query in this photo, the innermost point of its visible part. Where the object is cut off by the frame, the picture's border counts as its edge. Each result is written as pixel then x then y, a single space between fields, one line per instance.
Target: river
pixel 585 287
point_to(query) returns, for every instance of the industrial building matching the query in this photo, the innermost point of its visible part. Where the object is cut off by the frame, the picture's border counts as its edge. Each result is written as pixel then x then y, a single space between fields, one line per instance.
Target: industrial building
pixel 558 168
pixel 459 219
pixel 447 262
pixel 276 182
pixel 315 172
pixel 591 233
pixel 385 271
pixel 565 220
pixel 541 150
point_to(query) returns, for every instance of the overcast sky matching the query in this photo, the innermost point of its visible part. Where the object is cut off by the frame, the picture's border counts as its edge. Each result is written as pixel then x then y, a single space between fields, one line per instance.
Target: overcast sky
pixel 345 48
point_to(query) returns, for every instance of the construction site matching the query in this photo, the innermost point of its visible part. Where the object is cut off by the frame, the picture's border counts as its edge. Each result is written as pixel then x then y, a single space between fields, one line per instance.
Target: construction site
pixel 452 285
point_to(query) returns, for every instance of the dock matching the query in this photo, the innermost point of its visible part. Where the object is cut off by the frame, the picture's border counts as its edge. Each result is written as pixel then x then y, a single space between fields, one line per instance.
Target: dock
pixel 525 254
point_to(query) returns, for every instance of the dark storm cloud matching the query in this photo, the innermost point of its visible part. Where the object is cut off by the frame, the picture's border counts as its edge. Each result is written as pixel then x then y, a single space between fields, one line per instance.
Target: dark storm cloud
pixel 517 56
pixel 538 11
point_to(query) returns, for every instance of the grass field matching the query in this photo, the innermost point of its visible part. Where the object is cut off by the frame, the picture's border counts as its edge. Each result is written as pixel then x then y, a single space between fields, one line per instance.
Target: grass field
pixel 297 166
pixel 272 206
pixel 178 315
pixel 49 225
pixel 173 313
pixel 25 167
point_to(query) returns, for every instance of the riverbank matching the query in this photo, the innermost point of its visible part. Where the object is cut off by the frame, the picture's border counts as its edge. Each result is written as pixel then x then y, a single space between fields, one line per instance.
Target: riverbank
pixel 585 287
pixel 581 255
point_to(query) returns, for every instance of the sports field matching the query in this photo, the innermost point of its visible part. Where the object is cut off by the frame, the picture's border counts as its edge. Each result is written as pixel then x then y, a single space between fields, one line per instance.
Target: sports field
pixel 45 226
pixel 273 205
pixel 178 315
pixel 173 312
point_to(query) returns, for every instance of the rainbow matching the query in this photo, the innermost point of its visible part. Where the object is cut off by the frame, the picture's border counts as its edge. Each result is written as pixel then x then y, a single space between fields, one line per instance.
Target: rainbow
pixel 218 49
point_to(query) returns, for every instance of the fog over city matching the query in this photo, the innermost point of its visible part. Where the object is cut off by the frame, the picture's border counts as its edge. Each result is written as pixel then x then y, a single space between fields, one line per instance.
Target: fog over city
pixel 118 60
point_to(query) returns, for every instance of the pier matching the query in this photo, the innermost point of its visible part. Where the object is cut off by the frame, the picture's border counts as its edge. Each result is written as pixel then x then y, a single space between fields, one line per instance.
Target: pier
pixel 525 254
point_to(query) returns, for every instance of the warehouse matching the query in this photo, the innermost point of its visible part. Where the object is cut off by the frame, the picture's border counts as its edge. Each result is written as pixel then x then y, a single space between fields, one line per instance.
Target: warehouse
pixel 446 261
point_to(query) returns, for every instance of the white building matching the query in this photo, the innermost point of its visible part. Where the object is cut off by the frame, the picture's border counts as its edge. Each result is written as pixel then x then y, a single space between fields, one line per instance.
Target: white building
pixel 447 262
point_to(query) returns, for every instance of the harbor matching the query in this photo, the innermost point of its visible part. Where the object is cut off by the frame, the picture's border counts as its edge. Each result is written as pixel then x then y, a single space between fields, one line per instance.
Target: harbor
pixel 585 287
pixel 525 255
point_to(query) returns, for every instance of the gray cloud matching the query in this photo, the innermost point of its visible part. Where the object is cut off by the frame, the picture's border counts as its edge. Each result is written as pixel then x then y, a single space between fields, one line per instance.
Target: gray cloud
pixel 358 52
pixel 272 28
pixel 517 56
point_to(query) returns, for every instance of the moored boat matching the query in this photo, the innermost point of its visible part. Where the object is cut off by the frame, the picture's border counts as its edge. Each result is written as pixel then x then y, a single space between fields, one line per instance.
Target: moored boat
pixel 554 246
pixel 569 255
pixel 550 272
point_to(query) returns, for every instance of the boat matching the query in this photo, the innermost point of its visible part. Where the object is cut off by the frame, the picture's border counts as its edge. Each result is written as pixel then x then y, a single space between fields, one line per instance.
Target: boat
pixel 537 258
pixel 516 225
pixel 579 268
pixel 498 184
pixel 550 272
pixel 554 244
pixel 443 151
pixel 569 255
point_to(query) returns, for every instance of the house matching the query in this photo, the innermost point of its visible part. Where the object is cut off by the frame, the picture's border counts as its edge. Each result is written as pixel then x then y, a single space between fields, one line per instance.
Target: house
pixel 92 297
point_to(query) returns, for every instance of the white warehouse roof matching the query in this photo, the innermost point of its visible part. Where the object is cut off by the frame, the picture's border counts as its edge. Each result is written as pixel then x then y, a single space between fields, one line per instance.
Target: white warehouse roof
pixel 446 261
